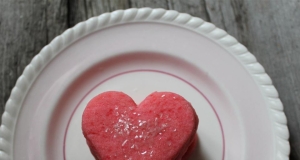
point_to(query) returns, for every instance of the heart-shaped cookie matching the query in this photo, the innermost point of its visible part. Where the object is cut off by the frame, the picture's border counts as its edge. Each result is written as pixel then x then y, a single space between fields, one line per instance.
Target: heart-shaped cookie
pixel 162 127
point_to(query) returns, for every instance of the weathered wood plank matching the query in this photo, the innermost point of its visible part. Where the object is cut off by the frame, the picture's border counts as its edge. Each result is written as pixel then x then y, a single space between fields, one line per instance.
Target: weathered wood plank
pixel 193 7
pixel 81 10
pixel 153 3
pixel 25 27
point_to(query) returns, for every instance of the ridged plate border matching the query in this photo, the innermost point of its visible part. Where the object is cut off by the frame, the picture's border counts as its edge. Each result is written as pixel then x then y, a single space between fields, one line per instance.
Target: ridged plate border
pixel 209 30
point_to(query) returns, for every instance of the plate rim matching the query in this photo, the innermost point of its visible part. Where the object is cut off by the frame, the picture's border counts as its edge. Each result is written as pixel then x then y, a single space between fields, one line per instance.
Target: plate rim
pixel 239 51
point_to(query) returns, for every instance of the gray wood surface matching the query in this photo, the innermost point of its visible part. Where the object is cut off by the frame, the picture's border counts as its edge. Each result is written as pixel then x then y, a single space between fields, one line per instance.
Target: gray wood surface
pixel 269 28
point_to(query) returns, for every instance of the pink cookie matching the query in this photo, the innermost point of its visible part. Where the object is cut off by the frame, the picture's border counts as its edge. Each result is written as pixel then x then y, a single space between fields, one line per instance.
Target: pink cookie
pixel 162 127
pixel 191 148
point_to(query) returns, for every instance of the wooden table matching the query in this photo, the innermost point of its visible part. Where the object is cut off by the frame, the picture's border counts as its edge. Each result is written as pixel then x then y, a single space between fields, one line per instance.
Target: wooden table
pixel 268 28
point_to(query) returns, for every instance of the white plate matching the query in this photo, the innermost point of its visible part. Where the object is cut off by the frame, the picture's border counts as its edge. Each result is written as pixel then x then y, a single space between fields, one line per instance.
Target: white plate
pixel 139 51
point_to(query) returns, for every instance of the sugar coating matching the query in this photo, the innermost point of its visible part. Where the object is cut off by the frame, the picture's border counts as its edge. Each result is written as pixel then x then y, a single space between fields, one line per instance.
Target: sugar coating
pixel 163 126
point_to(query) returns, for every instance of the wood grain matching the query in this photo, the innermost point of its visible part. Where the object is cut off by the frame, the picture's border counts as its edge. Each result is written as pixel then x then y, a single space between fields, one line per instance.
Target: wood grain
pixel 269 29
pixel 25 27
